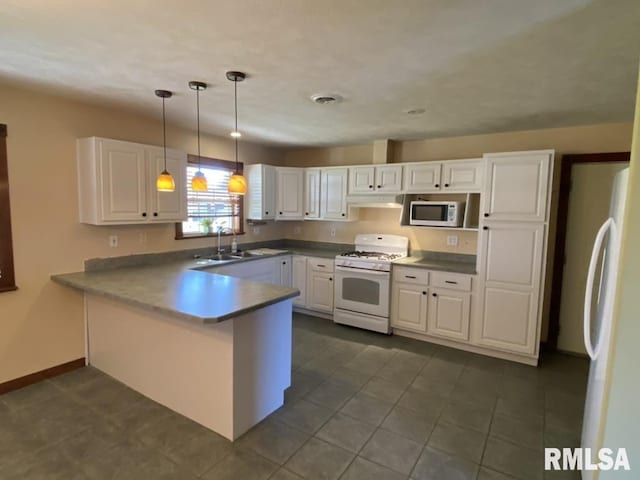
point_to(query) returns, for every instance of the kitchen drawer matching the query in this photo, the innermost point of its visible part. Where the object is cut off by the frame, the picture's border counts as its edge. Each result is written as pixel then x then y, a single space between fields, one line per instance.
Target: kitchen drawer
pixel 410 275
pixel 453 281
pixel 320 264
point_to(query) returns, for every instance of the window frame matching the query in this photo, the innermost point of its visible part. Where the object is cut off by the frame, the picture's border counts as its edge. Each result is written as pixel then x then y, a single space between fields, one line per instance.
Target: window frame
pixel 214 162
pixel 7 277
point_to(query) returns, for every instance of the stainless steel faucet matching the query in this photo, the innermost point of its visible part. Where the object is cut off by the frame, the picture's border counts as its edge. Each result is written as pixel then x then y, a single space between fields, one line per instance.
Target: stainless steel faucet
pixel 220 249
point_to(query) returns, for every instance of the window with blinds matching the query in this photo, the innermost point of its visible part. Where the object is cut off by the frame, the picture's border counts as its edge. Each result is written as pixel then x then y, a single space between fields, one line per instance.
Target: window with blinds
pixel 214 209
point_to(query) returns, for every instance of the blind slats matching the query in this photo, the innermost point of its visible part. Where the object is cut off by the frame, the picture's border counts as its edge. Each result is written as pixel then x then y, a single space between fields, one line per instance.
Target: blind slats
pixel 216 202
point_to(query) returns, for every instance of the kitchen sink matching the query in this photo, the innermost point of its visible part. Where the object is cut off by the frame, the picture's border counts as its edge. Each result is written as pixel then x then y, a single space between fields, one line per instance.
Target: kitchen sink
pixel 222 257
pixel 243 254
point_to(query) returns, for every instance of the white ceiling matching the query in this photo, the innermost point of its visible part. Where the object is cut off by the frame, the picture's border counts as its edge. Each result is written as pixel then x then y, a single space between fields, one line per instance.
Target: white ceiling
pixel 474 66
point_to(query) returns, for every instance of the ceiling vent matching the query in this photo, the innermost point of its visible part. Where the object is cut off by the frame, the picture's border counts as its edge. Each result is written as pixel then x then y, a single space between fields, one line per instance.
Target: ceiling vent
pixel 326 99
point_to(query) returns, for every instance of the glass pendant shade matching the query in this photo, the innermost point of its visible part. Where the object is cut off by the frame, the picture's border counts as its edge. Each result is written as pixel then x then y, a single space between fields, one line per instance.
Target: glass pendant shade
pixel 237 184
pixel 165 182
pixel 199 182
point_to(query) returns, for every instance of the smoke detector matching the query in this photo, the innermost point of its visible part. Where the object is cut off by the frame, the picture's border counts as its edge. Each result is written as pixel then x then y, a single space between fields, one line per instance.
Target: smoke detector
pixel 326 98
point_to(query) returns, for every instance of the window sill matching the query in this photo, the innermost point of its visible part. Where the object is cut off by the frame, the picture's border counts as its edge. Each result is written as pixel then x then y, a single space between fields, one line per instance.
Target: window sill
pixel 188 236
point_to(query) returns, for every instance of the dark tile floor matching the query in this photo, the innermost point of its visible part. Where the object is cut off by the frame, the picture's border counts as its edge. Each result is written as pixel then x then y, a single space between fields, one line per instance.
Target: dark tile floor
pixel 362 406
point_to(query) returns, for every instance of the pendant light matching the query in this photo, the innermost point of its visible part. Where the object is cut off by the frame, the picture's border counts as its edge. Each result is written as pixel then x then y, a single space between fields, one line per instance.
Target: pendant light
pixel 199 181
pixel 237 183
pixel 165 181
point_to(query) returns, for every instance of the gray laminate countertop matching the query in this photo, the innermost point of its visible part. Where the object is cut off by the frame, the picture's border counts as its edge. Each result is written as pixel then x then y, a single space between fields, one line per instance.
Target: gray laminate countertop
pixel 176 289
pixel 437 264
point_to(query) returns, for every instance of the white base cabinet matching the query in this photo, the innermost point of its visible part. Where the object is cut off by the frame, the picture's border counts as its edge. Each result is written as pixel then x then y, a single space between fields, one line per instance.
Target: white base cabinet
pixel 299 279
pixel 117 183
pixel 267 270
pixel 409 305
pixel 420 304
pixel 449 314
pixel 320 284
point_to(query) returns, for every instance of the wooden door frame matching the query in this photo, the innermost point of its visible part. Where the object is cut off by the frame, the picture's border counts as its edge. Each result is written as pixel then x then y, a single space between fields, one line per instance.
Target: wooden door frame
pixel 7 276
pixel 567 163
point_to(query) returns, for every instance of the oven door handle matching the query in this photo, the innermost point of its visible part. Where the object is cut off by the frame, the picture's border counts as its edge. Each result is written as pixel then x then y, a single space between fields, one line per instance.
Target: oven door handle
pixel 364 271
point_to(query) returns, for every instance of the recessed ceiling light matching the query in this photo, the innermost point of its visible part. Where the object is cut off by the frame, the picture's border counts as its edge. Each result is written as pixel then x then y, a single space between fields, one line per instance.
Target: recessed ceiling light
pixel 415 111
pixel 326 98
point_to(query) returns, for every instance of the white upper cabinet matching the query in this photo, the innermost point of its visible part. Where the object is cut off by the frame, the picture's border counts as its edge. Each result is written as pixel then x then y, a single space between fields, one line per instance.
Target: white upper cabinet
pixel 462 176
pixel 261 192
pixel 422 177
pixel 388 179
pixel 290 199
pixel 117 183
pixel 375 179
pixel 361 179
pixel 167 206
pixel 311 193
pixel 516 186
pixel 333 194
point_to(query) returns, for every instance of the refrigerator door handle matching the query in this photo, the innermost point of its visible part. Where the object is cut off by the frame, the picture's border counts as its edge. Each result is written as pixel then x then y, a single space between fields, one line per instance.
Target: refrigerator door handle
pixel 595 254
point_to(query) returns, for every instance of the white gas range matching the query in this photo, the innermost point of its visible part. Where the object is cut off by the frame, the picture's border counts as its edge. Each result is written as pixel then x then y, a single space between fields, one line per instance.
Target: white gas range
pixel 363 278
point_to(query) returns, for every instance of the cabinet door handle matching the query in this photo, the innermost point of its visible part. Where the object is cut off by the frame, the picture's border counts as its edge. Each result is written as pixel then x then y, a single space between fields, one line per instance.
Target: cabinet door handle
pixel 379 186
pixel 344 214
pixel 306 213
pixel 155 214
pixel 424 293
pixel 331 279
pixel 370 186
pixel 410 276
pixel 321 266
pixel 437 185
pixel 144 214
pixel 485 228
pixel 280 213
pixel 284 263
pixel 446 185
pixel 266 213
pixel 486 214
pixel 451 282
pixel 434 294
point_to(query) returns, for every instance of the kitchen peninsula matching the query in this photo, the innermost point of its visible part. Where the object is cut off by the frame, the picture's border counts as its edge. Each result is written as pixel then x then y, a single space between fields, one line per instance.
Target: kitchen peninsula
pixel 214 348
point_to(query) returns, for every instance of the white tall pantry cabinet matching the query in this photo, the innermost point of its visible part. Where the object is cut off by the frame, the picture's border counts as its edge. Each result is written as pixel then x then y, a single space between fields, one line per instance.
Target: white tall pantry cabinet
pixel 513 245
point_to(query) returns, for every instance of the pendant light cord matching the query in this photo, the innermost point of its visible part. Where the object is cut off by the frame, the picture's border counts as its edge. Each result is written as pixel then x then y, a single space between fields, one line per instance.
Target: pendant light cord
pixel 198 115
pixel 164 136
pixel 235 96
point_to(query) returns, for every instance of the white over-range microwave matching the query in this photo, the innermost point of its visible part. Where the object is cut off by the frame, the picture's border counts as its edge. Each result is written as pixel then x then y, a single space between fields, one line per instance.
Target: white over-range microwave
pixel 436 214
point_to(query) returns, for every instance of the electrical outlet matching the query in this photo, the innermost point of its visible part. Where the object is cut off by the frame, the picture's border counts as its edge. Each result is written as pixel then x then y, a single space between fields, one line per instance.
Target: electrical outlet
pixel 297 230
pixel 452 240
pixel 256 230
pixel 113 241
pixel 333 232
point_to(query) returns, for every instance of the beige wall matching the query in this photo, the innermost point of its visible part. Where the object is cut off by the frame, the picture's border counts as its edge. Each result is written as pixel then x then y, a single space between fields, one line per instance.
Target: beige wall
pixel 41 323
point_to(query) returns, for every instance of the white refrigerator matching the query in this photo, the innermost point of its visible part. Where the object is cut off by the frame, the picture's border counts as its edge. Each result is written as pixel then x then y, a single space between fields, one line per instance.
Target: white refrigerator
pixel 598 317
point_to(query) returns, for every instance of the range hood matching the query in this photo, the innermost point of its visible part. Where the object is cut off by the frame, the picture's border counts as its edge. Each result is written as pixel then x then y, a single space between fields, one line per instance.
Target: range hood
pixel 375 201
pixel 382 154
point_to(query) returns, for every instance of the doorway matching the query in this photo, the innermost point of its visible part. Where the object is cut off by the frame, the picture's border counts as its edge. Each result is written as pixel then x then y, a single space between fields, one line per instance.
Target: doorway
pixel 585 193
